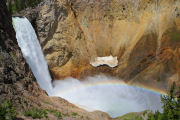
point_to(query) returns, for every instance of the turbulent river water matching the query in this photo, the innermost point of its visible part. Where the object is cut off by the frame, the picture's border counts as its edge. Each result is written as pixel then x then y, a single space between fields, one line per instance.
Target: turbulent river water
pixel 100 92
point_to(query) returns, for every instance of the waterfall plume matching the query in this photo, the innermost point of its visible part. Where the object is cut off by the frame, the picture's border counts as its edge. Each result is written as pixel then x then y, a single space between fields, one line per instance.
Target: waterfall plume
pixel 32 52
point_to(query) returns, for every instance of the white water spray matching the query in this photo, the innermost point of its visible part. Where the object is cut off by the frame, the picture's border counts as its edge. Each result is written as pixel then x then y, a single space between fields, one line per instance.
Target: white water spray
pixel 31 49
pixel 107 94
pixel 94 93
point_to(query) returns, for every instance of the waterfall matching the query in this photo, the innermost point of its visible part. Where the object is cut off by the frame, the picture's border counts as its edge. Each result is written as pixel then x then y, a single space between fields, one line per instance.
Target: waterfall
pixel 31 49
pixel 103 93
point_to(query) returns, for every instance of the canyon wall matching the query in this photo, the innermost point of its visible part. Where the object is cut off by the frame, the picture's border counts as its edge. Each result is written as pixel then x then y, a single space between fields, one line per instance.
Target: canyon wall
pixel 143 34
pixel 19 87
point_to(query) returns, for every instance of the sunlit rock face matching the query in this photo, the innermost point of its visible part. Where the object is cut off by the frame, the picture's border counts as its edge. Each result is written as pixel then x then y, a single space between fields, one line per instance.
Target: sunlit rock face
pixel 144 35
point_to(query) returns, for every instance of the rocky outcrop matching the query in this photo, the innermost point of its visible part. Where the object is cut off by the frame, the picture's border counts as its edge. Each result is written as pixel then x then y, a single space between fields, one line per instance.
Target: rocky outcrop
pixel 18 85
pixel 143 34
pixel 13 66
pixel 50 15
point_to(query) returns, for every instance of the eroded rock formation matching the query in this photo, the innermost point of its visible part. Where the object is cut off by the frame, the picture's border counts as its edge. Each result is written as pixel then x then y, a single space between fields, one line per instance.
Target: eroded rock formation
pixel 18 85
pixel 143 34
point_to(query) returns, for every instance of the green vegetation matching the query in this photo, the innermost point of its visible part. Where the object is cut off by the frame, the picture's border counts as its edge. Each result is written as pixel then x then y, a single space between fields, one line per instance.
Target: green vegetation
pixel 175 36
pixel 130 116
pixel 18 5
pixel 74 114
pixel 12 56
pixel 56 113
pixel 36 113
pixel 171 106
pixel 65 114
pixel 42 113
pixel 7 111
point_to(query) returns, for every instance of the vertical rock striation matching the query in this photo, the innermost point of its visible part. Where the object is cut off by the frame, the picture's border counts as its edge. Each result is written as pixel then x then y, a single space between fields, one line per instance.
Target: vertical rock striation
pixel 17 84
pixel 143 34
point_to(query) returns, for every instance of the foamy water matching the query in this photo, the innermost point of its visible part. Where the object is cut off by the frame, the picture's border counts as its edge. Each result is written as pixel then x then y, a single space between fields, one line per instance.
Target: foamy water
pixel 32 52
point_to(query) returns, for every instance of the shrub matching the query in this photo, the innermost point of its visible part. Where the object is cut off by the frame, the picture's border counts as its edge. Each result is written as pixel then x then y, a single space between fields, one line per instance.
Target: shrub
pixel 56 113
pixel 40 113
pixel 7 111
pixel 36 113
pixel 74 114
pixel 130 116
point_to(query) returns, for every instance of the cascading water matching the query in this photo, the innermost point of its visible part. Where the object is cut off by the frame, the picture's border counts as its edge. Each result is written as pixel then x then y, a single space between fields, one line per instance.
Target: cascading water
pixel 95 93
pixel 31 49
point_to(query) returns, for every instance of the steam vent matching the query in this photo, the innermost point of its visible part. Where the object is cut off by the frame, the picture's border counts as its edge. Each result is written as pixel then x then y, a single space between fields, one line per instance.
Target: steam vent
pixel 90 59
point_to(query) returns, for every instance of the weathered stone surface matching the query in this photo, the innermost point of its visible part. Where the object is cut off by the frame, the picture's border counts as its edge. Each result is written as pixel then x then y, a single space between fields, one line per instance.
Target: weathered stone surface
pixel 18 85
pixel 13 66
pixel 143 34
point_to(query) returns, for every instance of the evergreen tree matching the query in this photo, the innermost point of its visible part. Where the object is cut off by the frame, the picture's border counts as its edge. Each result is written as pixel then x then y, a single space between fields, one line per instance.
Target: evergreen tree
pixel 171 106
pixel 23 4
pixel 18 5
pixel 10 5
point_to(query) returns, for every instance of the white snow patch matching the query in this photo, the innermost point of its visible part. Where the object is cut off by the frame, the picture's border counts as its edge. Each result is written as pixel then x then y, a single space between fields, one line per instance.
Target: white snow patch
pixel 107 60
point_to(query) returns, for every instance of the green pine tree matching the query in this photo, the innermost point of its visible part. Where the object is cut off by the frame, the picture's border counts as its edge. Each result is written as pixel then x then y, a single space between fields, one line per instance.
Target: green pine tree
pixel 171 106
pixel 10 5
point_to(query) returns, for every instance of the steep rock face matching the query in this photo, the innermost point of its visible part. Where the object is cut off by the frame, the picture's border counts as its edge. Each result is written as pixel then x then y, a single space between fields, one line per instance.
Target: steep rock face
pixel 18 85
pixel 51 15
pixel 13 66
pixel 15 75
pixel 144 35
